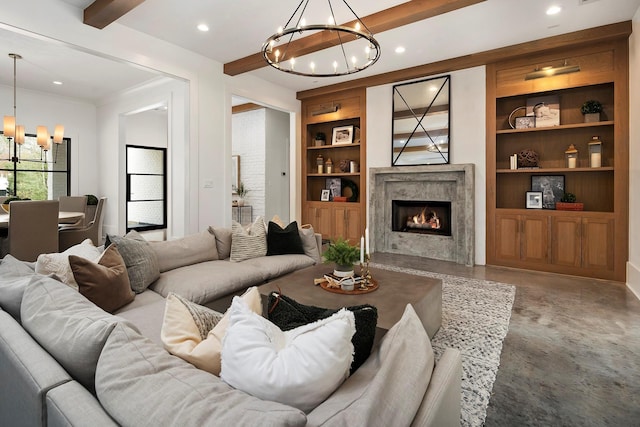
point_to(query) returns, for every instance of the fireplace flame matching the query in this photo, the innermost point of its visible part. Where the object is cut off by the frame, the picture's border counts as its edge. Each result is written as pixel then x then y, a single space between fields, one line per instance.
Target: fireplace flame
pixel 425 220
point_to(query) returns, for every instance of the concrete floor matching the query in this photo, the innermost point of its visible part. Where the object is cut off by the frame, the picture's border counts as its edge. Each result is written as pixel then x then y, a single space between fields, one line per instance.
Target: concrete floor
pixel 572 354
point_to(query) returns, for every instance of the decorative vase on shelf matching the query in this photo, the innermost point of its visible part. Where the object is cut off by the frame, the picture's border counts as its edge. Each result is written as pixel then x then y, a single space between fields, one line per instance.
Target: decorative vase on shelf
pixel 240 202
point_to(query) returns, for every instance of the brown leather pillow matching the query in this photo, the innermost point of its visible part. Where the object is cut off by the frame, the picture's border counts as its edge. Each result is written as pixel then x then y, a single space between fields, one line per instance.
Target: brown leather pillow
pixel 106 284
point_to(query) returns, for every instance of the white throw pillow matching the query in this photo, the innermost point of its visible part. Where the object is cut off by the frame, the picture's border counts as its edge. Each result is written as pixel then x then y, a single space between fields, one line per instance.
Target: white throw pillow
pixel 58 263
pixel 300 367
pixel 182 336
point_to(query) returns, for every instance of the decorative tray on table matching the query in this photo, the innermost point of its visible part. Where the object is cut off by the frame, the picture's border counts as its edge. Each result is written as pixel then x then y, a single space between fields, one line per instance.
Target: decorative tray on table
pixel 358 289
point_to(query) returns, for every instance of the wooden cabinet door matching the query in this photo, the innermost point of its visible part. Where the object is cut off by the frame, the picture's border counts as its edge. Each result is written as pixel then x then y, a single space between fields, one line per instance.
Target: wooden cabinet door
pixel 347 224
pixel 535 239
pixel 319 217
pixel 598 243
pixel 566 241
pixel 507 247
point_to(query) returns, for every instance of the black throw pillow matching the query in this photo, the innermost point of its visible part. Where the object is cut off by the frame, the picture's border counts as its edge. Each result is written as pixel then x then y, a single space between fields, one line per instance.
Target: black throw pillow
pixel 283 241
pixel 288 314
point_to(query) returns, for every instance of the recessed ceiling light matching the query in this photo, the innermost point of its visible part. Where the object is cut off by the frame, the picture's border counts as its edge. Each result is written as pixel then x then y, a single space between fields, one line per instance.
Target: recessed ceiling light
pixel 203 27
pixel 400 49
pixel 57 82
pixel 554 10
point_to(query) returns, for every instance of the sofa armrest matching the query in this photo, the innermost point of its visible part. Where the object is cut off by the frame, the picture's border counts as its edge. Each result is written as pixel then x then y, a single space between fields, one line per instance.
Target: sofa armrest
pixel 28 372
pixel 72 405
pixel 441 403
pixel 318 237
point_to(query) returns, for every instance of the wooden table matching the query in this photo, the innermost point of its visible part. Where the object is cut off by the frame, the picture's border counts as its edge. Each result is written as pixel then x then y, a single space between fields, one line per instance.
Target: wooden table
pixel 395 291
pixel 64 217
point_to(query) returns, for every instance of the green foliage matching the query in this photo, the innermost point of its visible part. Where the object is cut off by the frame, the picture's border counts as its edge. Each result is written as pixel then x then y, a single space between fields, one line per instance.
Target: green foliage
pixel 568 198
pixel 321 135
pixel 242 190
pixel 91 199
pixel 11 199
pixel 342 253
pixel 591 106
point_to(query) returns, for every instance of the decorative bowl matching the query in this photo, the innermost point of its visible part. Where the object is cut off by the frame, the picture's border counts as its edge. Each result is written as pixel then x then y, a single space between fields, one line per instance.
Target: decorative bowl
pixel 5 207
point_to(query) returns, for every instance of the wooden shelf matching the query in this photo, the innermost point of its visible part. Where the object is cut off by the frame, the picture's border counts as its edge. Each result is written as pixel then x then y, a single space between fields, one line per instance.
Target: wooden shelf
pixel 333 147
pixel 555 170
pixel 554 128
pixel 329 175
pixel 592 242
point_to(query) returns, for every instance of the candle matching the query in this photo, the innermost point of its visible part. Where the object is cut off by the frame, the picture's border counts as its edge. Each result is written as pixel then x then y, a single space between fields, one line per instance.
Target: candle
pixel 572 162
pixel 362 250
pixel 366 238
pixel 596 160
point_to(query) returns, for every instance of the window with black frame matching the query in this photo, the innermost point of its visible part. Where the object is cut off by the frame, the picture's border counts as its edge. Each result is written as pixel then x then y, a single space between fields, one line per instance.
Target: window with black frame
pixel 146 188
pixel 29 172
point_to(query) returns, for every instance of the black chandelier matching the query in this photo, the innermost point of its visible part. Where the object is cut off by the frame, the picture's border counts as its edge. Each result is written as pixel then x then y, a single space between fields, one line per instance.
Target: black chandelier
pixel 357 49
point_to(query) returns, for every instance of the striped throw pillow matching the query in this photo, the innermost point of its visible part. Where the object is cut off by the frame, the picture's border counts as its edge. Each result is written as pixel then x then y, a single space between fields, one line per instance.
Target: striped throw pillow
pixel 247 244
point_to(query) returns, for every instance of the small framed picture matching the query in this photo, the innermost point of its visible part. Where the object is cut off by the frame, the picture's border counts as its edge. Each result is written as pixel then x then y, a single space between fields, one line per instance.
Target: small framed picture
pixel 324 197
pixel 342 135
pixel 525 122
pixel 551 187
pixel 534 199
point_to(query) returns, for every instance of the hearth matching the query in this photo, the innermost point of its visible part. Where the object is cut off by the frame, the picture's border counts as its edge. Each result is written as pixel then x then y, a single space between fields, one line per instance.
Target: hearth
pixel 421 217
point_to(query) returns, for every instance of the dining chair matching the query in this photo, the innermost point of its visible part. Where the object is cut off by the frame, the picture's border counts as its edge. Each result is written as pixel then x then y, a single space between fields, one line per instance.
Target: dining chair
pixel 33 228
pixel 73 236
pixel 73 204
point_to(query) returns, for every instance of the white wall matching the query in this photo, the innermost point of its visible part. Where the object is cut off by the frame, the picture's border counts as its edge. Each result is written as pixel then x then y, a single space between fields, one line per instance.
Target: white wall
pixel 633 266
pixel 79 120
pixel 249 142
pixel 468 135
pixel 113 116
pixel 278 98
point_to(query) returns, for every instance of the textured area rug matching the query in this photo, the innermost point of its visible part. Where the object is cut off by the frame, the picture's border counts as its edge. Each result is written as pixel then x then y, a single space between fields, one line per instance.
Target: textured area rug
pixel 475 320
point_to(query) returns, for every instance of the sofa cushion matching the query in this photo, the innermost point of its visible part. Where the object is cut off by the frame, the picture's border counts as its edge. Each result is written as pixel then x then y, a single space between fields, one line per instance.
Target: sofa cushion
pixel 389 387
pixel 309 242
pixel 283 240
pixel 275 266
pixel 58 263
pixel 300 367
pixel 173 392
pixel 15 275
pixel 66 324
pixel 105 283
pixel 208 281
pixel 223 241
pixel 27 372
pixel 70 404
pixel 183 337
pixel 145 312
pixel 287 314
pixel 187 250
pixel 140 258
pixel 247 244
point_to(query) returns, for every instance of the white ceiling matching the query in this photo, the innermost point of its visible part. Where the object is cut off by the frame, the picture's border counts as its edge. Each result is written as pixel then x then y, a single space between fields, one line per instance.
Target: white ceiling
pixel 239 27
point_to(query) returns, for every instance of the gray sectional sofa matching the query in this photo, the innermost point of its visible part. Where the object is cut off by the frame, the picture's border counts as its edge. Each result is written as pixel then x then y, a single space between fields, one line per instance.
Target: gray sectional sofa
pixel 64 361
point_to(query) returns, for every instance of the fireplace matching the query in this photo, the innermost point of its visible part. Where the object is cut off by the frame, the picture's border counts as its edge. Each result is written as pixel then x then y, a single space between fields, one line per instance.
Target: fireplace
pixel 421 217
pixel 441 197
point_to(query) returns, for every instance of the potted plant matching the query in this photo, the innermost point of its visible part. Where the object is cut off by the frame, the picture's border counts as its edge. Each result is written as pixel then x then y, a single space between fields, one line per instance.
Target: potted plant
pixel 591 110
pixel 321 139
pixel 568 203
pixel 5 204
pixel 242 191
pixel 343 255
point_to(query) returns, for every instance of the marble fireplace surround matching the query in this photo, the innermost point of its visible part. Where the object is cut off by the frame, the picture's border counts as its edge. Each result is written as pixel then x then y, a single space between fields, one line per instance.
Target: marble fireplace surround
pixel 451 183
